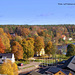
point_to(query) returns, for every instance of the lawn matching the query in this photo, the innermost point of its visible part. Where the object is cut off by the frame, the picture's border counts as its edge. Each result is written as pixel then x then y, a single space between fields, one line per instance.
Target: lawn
pixel 51 60
pixel 24 62
pixel 44 59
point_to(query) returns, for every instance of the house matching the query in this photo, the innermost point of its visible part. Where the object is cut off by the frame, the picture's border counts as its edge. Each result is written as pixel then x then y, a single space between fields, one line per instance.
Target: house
pixel 13 34
pixel 6 56
pixel 63 37
pixel 70 39
pixel 42 52
pixel 53 70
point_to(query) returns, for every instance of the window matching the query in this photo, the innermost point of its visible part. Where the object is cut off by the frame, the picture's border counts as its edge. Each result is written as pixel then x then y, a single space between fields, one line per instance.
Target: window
pixel 0 56
pixel 3 60
pixel 59 73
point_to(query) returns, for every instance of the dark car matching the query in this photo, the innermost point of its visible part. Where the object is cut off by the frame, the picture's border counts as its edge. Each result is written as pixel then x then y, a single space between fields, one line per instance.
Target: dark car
pixel 20 64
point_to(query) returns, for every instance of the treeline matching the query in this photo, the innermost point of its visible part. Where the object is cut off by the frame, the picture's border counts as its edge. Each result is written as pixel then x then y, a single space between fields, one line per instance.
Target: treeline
pixel 51 31
pixel 26 40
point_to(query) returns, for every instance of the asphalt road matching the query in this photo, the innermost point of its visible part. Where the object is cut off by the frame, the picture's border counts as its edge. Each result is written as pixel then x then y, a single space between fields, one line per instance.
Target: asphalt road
pixel 34 65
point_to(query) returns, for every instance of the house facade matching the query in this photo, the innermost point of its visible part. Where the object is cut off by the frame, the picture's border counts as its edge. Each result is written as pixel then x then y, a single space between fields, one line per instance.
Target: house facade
pixel 7 56
pixel 42 52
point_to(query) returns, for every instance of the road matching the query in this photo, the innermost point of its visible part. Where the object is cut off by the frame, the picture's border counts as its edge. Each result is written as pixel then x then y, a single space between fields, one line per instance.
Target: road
pixel 28 67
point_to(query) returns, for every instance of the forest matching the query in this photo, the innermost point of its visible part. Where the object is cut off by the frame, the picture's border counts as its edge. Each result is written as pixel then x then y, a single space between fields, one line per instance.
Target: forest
pixel 26 40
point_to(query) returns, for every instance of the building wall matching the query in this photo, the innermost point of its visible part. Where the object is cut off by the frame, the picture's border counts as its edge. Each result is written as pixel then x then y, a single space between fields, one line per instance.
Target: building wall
pixel 60 73
pixel 5 59
pixel 13 58
pixel 42 52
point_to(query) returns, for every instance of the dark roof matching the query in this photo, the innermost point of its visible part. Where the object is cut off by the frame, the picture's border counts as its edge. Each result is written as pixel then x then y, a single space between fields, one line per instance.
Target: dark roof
pixel 12 33
pixel 54 69
pixel 70 63
pixel 42 71
pixel 62 62
pixel 35 73
pixel 67 72
pixel 67 62
pixel 8 55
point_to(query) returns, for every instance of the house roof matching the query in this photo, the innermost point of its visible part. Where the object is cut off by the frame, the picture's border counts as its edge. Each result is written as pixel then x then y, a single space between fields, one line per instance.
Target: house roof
pixel 8 55
pixel 35 73
pixel 70 63
pixel 63 36
pixel 54 70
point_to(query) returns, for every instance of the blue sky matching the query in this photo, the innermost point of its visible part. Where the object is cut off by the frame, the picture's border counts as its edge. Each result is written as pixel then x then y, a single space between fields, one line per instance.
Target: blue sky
pixel 36 12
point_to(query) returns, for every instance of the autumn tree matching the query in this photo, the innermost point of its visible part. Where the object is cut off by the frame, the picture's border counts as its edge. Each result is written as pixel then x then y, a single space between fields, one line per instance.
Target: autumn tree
pixel 2 47
pixel 17 50
pixel 21 31
pixel 5 39
pixel 54 49
pixel 28 47
pixel 41 33
pixel 39 44
pixel 18 38
pixel 25 32
pixel 9 36
pixel 70 50
pixel 1 31
pixel 48 48
pixel 9 68
pixel 6 29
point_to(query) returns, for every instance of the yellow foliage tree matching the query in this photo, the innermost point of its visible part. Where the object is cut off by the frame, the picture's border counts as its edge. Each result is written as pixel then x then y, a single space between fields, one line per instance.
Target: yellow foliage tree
pixel 28 47
pixel 39 44
pixel 5 39
pixel 9 68
pixel 48 48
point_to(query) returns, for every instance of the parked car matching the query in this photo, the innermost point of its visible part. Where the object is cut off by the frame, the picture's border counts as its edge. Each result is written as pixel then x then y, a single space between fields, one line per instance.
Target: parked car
pixel 20 64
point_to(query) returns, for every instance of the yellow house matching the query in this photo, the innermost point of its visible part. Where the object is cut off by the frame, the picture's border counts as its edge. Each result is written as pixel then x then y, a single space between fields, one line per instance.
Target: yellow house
pixel 42 52
pixel 59 73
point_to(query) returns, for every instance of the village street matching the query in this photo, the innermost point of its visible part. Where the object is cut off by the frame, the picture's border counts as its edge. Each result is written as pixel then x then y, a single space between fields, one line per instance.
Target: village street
pixel 28 67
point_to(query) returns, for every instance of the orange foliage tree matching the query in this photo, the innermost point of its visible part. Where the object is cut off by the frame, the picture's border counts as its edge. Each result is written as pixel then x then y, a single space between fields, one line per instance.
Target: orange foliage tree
pixel 25 31
pixel 5 39
pixel 17 50
pixel 2 47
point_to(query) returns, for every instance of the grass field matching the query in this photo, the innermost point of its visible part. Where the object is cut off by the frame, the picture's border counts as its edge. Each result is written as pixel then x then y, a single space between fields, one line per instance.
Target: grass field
pixel 24 62
pixel 44 59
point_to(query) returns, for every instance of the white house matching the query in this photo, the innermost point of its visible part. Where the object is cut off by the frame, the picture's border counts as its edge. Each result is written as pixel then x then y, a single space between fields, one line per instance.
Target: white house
pixel 63 37
pixel 70 39
pixel 7 56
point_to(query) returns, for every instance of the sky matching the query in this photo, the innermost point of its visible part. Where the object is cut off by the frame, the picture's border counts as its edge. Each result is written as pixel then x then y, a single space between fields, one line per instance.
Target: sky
pixel 37 12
